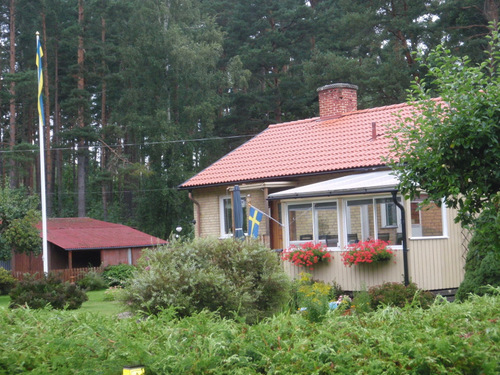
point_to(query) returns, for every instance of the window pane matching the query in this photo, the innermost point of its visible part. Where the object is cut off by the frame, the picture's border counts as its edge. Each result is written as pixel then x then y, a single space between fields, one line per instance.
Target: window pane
pixel 228 216
pixel 426 220
pixel 389 221
pixel 327 223
pixel 300 222
pixel 359 220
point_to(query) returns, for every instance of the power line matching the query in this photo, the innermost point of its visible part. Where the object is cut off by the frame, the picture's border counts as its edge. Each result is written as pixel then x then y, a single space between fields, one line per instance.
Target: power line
pixel 133 144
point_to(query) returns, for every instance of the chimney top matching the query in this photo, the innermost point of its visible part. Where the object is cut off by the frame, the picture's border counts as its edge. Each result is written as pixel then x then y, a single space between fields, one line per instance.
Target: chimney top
pixel 336 99
pixel 338 86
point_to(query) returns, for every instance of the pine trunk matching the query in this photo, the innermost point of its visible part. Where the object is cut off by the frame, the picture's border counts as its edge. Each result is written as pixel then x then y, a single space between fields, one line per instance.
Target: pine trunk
pixel 80 118
pixel 12 92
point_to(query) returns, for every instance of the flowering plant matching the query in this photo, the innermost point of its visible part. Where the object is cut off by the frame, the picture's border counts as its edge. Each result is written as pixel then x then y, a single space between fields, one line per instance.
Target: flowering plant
pixel 371 251
pixel 307 254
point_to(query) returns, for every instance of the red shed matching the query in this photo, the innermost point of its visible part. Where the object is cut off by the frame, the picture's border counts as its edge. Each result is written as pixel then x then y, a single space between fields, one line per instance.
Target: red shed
pixel 84 242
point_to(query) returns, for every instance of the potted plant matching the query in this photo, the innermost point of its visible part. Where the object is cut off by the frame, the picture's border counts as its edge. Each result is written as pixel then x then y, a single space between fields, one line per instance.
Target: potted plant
pixel 307 254
pixel 371 251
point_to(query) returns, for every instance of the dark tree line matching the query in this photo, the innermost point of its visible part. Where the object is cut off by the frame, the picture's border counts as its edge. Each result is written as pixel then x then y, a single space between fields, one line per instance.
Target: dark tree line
pixel 142 94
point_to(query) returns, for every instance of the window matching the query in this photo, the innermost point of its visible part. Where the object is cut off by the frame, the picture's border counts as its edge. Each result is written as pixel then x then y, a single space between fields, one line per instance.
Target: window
pixel 427 220
pixel 226 216
pixel 388 219
pixel 313 222
pixel 373 218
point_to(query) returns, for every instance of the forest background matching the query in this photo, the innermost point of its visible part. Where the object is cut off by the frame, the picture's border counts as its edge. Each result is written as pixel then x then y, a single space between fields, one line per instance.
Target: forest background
pixel 142 94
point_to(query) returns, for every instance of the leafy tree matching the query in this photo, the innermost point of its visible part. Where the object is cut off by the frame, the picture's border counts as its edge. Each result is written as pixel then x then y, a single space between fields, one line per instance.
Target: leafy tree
pixel 451 148
pixel 18 216
pixel 482 266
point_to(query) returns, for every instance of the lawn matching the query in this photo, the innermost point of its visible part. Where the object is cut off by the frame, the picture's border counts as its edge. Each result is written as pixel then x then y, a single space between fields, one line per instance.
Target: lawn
pixel 95 304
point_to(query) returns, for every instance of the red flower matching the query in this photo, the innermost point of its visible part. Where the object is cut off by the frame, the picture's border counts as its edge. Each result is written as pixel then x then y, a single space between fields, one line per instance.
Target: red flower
pixel 308 254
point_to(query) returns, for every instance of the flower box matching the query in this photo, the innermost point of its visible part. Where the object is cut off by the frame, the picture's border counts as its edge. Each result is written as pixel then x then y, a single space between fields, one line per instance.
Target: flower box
pixel 307 254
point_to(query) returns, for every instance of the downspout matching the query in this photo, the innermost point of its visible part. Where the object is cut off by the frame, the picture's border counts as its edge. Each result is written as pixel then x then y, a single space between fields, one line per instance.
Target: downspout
pixel 405 245
pixel 198 213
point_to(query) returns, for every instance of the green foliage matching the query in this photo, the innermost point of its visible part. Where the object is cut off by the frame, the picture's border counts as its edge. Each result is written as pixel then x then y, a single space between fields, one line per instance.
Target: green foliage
pixel 119 274
pixel 397 294
pixel 7 281
pixel 37 293
pixel 451 149
pixel 227 276
pixel 312 298
pixel 448 338
pixel 92 280
pixel 482 266
pixel 18 216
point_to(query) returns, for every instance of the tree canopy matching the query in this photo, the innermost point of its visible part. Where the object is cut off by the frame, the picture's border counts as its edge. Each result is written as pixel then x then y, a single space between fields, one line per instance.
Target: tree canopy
pixel 450 148
pixel 140 94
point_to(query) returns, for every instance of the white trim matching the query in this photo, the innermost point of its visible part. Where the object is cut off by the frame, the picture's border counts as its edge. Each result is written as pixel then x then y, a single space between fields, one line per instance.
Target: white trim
pixel 222 222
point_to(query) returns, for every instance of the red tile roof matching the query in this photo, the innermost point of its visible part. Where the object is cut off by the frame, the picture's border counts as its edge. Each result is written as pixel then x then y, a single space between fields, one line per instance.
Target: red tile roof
pixel 305 147
pixel 85 233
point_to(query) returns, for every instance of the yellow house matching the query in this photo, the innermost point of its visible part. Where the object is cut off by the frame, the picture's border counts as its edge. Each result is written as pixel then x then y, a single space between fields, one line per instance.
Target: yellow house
pixel 324 180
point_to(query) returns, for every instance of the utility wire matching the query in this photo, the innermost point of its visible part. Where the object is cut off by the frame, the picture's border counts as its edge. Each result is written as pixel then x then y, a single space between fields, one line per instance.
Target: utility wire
pixel 133 144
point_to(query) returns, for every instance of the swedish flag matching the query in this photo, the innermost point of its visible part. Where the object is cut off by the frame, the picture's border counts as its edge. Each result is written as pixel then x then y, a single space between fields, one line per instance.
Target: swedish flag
pixel 39 54
pixel 254 219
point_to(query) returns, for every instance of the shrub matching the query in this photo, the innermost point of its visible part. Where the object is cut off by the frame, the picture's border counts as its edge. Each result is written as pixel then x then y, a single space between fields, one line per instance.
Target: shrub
pixel 482 265
pixel 118 275
pixel 7 281
pixel 312 297
pixel 396 294
pixel 92 280
pixel 228 276
pixel 48 290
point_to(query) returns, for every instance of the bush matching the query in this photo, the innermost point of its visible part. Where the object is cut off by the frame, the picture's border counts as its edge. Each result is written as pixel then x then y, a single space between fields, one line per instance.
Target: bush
pixel 482 266
pixel 49 290
pixel 7 281
pixel 228 276
pixel 118 275
pixel 92 280
pixel 396 294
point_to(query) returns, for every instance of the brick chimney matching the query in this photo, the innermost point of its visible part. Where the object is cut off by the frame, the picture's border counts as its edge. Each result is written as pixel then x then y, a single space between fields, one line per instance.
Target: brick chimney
pixel 336 99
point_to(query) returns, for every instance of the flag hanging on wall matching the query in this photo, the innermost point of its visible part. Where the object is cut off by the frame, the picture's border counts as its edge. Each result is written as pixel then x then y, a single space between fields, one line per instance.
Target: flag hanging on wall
pixel 254 219
pixel 39 54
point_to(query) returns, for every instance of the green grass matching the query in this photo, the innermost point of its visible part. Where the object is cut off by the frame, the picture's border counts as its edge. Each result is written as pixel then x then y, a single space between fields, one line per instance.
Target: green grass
pixel 95 304
pixel 4 301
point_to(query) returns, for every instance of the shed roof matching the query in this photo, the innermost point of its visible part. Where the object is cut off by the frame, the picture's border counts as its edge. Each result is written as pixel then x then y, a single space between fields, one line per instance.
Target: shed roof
pixel 311 146
pixel 83 233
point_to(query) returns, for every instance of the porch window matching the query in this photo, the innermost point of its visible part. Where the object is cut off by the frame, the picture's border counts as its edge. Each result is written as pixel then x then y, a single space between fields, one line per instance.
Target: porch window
pixel 226 216
pixel 316 222
pixel 373 218
pixel 427 220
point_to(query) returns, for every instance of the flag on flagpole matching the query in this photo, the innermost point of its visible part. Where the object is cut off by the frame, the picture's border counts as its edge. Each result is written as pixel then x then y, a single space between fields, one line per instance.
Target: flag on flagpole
pixel 39 54
pixel 254 219
pixel 41 122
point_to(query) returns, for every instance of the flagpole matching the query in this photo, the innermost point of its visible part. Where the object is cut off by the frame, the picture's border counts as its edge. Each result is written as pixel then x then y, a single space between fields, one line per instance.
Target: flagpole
pixel 41 120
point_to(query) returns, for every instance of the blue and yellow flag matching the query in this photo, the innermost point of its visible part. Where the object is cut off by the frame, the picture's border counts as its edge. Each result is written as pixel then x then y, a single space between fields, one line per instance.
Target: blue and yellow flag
pixel 39 54
pixel 254 219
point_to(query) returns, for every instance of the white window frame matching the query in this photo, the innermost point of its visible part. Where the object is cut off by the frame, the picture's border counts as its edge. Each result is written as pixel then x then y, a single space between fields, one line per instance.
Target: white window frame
pixel 222 217
pixel 444 223
pixel 314 220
